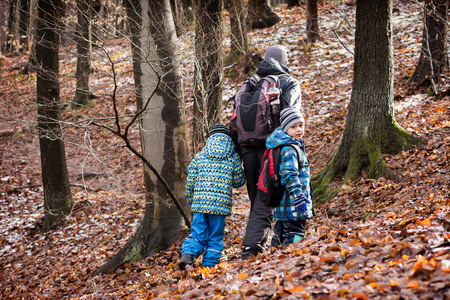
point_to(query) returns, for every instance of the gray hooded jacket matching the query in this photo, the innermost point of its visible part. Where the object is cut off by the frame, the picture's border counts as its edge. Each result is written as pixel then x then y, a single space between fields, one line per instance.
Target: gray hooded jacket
pixel 290 87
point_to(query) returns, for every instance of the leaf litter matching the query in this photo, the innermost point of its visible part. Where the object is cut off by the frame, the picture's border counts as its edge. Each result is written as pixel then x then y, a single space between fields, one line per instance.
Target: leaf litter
pixel 377 239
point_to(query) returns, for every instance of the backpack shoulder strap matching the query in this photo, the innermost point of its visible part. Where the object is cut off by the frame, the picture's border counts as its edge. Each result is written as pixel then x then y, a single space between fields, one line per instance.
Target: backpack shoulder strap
pixel 233 98
pixel 299 153
pixel 254 79
pixel 274 77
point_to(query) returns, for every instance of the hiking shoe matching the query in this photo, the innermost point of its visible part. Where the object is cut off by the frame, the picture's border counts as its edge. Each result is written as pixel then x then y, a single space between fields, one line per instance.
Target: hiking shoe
pixel 247 252
pixel 291 239
pixel 186 259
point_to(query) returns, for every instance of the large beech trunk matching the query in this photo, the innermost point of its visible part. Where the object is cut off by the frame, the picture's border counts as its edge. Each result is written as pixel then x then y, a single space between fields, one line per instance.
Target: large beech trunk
pixel 163 129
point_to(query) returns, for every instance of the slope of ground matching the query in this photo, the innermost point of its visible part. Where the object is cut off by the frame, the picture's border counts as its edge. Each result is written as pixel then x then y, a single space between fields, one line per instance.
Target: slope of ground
pixel 378 239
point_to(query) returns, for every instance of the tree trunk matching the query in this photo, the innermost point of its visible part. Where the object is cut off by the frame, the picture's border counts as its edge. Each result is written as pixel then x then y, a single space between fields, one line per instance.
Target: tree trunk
pixel 57 195
pixel 433 56
pixel 208 74
pixel 261 15
pixel 292 3
pixel 31 64
pixel 182 12
pixel 83 91
pixel 370 127
pixel 312 21
pixel 159 96
pixel 24 18
pixel 238 32
pixel 11 30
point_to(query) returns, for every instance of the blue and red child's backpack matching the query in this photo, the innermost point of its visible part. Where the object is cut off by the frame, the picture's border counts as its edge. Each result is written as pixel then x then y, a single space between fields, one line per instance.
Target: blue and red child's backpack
pixel 270 190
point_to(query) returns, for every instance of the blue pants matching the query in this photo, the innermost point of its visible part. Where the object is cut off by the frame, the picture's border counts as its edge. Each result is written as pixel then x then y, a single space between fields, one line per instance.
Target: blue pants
pixel 206 236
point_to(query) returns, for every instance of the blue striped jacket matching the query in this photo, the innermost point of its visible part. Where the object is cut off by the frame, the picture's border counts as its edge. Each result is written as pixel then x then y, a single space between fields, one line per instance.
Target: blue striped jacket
pixel 295 179
pixel 212 174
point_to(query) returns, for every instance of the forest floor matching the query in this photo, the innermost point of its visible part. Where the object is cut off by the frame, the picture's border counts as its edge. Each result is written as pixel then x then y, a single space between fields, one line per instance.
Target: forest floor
pixel 377 239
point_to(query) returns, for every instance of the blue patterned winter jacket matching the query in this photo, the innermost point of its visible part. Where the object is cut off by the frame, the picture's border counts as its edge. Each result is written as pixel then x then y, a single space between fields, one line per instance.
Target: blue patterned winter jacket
pixel 294 179
pixel 212 174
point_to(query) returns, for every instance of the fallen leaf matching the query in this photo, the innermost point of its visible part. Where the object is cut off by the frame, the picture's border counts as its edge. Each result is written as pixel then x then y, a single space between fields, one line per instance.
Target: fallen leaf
pixel 412 284
pixel 242 276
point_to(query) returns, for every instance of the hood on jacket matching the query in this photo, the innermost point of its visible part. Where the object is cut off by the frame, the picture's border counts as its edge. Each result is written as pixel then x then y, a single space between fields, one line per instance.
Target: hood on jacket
pixel 278 138
pixel 270 66
pixel 219 146
pixel 290 87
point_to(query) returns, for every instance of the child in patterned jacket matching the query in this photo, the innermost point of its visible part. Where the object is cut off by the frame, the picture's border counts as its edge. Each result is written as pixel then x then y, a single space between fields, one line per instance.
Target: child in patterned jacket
pixel 212 175
pixel 296 204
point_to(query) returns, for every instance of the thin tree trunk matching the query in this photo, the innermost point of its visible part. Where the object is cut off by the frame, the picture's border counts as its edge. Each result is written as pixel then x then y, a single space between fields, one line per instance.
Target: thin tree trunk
pixel 312 21
pixel 183 14
pixel 433 56
pixel 31 64
pixel 24 18
pixel 11 30
pixel 57 195
pixel 238 31
pixel 83 91
pixel 208 74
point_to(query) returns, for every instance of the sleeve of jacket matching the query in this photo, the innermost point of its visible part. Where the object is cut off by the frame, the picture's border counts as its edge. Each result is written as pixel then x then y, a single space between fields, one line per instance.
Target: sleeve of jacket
pixel 238 172
pixel 290 174
pixel 291 94
pixel 191 179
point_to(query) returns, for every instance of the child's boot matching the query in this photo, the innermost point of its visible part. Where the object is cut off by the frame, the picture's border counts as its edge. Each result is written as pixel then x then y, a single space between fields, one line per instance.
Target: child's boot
pixel 186 259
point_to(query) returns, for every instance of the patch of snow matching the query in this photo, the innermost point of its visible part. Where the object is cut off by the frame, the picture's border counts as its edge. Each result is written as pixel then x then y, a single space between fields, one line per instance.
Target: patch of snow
pixel 412 101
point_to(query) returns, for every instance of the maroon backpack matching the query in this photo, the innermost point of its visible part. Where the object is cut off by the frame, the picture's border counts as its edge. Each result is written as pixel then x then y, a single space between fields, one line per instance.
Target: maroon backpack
pixel 254 119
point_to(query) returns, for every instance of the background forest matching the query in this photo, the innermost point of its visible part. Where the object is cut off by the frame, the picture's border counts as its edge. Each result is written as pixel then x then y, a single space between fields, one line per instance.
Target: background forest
pixel 384 238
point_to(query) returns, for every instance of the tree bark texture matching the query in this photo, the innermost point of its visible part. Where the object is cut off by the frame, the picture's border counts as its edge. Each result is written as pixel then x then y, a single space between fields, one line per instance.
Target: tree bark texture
pixel 208 73
pixel 370 127
pixel 261 15
pixel 57 195
pixel 83 91
pixel 312 21
pixel 433 56
pixel 159 96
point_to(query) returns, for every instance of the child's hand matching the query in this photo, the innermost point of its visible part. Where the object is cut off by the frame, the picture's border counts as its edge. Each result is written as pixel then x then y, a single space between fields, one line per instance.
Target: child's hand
pixel 301 207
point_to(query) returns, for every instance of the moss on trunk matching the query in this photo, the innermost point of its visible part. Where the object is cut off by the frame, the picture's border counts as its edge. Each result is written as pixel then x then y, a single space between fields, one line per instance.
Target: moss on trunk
pixel 366 155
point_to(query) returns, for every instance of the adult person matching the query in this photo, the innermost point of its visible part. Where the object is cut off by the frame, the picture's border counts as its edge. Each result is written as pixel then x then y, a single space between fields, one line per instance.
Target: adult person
pixel 260 218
